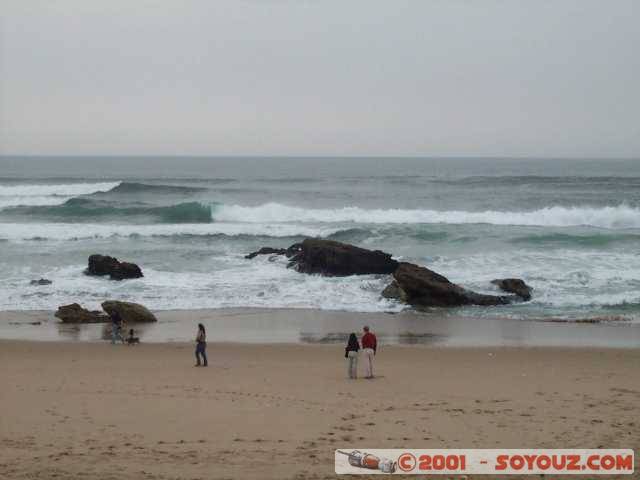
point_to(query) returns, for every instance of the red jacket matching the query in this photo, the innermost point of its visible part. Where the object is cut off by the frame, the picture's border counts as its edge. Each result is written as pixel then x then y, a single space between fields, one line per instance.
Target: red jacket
pixel 369 340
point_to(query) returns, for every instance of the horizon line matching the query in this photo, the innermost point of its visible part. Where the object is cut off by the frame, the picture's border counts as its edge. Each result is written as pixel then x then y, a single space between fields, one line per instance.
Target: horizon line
pixel 272 156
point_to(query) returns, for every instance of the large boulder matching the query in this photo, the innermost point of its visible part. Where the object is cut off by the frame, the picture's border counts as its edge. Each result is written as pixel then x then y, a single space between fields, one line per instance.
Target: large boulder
pixel 331 258
pixel 74 313
pixel 514 285
pixel 424 287
pixel 105 265
pixel 129 312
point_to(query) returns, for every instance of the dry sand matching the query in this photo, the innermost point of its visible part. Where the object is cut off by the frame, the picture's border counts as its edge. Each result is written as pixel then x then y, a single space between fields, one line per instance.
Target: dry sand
pixel 96 411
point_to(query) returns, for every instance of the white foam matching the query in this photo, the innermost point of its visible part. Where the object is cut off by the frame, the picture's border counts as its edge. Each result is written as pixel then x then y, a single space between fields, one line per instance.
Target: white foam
pixel 621 216
pixel 51 194
pixel 256 283
pixel 585 283
pixel 563 279
pixel 79 231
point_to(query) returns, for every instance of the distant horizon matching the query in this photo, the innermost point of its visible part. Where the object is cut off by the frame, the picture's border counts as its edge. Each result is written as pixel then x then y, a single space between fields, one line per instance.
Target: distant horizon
pixel 266 156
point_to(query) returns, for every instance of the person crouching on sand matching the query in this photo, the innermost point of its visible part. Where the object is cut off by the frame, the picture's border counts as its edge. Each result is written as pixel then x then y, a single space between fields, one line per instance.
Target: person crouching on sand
pixel 369 347
pixel 132 339
pixel 201 346
pixel 351 354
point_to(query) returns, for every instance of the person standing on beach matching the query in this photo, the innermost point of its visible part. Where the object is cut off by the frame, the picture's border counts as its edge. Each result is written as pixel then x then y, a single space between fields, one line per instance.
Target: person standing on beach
pixel 351 354
pixel 201 346
pixel 369 348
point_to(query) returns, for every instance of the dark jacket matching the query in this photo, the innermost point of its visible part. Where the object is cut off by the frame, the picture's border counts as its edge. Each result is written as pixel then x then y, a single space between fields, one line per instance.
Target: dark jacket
pixel 352 346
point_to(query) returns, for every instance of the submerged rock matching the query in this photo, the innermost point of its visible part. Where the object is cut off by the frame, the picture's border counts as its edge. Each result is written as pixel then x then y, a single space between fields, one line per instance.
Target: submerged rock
pixel 105 265
pixel 129 312
pixel 427 288
pixel 514 285
pixel 42 281
pixel 74 313
pixel 331 258
pixel 292 250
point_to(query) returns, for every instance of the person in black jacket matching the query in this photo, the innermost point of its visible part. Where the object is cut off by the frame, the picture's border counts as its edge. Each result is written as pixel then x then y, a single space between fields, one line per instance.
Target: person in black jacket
pixel 351 354
pixel 201 346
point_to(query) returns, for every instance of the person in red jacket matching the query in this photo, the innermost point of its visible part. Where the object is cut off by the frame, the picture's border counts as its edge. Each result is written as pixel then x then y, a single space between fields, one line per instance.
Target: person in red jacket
pixel 369 344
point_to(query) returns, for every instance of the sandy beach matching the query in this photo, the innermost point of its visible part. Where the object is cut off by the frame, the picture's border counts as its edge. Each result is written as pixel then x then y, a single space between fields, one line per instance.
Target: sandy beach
pixel 93 410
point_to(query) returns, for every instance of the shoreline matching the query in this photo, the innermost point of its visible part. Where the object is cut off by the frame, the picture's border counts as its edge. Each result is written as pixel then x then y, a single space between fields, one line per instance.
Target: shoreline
pixel 216 346
pixel 312 326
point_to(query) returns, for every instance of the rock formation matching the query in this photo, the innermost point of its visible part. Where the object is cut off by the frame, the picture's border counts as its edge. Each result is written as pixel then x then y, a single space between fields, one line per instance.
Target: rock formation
pixel 74 313
pixel 129 312
pixel 412 284
pixel 331 258
pixel 104 265
pixel 424 287
pixel 514 285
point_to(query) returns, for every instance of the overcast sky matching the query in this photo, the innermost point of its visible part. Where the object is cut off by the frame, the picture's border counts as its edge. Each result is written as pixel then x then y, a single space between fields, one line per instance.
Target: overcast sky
pixel 319 77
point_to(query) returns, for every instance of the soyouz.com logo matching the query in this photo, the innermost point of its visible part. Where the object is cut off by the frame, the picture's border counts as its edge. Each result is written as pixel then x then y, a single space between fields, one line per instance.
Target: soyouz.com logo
pixel 485 461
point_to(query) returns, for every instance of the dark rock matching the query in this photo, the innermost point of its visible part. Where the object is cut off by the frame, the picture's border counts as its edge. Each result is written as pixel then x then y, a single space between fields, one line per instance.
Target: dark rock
pixel 126 270
pixel 104 265
pixel 74 313
pixel 425 287
pixel 394 292
pixel 289 252
pixel 332 258
pixel 42 281
pixel 514 285
pixel 129 312
pixel 267 251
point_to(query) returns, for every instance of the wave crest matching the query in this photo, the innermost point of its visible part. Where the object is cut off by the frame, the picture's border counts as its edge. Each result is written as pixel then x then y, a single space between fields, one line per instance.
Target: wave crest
pixel 19 232
pixel 142 188
pixel 621 216
pixel 83 207
pixel 48 194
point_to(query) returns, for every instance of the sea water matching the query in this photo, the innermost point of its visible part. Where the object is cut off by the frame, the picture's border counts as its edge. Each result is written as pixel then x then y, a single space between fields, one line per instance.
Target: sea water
pixel 569 228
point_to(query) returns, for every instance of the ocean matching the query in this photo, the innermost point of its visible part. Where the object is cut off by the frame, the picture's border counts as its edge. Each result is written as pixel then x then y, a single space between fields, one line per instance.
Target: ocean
pixel 569 228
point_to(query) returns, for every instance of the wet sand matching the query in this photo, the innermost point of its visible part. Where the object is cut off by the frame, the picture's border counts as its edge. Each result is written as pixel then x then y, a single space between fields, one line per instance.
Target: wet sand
pixel 306 326
pixel 97 411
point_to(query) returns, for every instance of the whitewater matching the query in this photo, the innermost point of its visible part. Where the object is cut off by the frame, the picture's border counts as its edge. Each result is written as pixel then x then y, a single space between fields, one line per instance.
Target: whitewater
pixel 48 194
pixel 615 217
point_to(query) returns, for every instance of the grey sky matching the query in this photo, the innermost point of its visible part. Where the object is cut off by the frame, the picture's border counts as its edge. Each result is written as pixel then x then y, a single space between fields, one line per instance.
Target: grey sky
pixel 508 78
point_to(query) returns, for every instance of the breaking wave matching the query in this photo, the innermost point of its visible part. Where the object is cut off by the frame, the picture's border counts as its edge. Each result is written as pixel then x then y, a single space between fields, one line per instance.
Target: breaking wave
pixel 142 188
pixel 563 239
pixel 617 217
pixel 48 194
pixel 17 232
pixel 83 208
